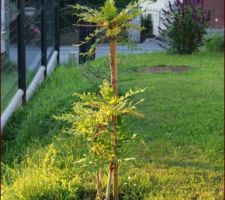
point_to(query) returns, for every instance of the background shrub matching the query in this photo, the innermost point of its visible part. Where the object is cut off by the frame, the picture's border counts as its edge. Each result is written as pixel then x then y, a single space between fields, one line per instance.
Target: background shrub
pixel 185 25
pixel 215 43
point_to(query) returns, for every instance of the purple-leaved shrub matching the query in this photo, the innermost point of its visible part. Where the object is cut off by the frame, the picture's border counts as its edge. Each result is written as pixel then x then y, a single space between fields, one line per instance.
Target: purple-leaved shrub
pixel 185 26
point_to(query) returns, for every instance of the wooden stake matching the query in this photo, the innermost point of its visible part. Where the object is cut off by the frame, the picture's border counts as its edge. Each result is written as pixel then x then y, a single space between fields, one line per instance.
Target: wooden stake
pixel 99 184
pixel 108 189
pixel 113 64
pixel 113 67
pixel 115 182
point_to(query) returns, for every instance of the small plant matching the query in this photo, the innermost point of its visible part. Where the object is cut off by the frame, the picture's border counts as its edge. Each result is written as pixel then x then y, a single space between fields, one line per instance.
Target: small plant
pixel 111 23
pixel 92 118
pixel 215 43
pixel 185 26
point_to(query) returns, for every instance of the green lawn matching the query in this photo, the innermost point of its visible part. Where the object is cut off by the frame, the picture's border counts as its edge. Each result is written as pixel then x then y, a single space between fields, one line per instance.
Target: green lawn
pixel 179 148
pixel 9 83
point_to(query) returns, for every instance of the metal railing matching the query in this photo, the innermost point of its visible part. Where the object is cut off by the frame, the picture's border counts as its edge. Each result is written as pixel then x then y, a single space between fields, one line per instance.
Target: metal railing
pixel 71 35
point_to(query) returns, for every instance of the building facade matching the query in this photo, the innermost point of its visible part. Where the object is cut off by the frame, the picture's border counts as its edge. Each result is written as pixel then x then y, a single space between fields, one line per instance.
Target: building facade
pixel 153 10
pixel 216 8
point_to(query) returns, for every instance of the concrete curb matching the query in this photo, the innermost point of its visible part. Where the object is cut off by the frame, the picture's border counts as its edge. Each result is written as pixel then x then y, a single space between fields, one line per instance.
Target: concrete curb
pixel 15 103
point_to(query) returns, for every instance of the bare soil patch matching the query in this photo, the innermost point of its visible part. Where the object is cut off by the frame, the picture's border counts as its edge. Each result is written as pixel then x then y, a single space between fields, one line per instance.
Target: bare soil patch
pixel 166 69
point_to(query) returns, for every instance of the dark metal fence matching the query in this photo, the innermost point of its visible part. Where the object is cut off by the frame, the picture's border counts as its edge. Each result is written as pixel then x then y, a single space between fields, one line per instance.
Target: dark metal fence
pixel 70 36
pixel 29 33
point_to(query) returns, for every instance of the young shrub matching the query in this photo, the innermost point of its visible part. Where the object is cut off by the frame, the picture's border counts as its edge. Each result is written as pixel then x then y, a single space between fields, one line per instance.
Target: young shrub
pixel 91 117
pixel 185 26
pixel 111 23
pixel 215 43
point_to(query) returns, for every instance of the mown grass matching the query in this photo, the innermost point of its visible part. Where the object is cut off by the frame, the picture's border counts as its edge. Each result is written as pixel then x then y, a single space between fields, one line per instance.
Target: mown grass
pixel 179 148
pixel 9 83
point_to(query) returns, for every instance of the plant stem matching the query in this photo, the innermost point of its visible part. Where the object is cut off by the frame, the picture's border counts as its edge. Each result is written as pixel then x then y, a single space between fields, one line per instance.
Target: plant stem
pixel 115 163
pixel 115 182
pixel 99 184
pixel 113 67
pixel 109 182
pixel 113 64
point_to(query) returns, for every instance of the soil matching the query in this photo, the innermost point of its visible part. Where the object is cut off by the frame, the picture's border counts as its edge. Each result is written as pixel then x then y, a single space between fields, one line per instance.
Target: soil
pixel 164 69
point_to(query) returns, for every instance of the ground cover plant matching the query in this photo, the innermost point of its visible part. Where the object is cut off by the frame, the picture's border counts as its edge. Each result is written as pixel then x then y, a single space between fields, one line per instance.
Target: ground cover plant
pixel 185 26
pixel 179 148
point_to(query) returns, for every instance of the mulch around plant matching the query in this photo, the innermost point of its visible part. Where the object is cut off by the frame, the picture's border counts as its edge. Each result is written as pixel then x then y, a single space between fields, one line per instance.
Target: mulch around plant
pixel 166 69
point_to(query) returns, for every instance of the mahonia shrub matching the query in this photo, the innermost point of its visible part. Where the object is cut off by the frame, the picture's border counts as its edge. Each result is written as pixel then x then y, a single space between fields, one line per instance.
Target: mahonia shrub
pixel 91 118
pixel 111 23
pixel 185 24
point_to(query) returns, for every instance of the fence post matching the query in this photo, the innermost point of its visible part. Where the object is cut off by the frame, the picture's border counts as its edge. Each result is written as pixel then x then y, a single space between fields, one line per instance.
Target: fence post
pixel 21 48
pixel 43 36
pixel 57 28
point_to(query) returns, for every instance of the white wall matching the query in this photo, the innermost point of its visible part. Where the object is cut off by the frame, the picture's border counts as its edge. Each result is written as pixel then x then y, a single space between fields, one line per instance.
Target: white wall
pixel 155 10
